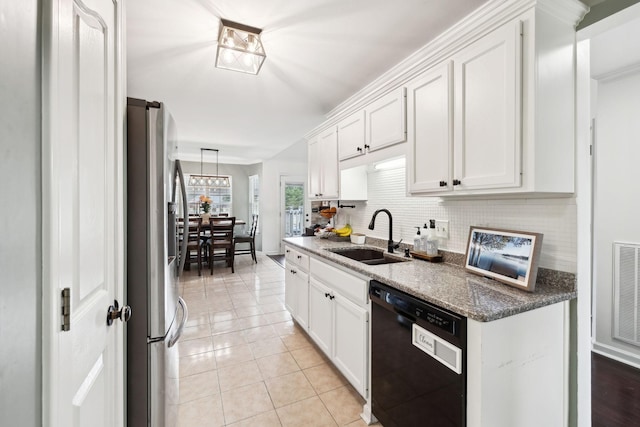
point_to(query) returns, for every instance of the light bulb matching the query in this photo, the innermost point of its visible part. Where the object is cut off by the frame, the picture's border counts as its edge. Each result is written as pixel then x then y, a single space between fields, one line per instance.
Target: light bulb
pixel 247 59
pixel 227 56
pixel 228 40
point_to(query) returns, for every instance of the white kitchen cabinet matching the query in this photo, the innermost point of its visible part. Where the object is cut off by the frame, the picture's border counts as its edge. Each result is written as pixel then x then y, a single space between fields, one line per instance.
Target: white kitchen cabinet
pixel 339 320
pixel 351 140
pixel 350 352
pixel 386 120
pixel 323 166
pixel 380 124
pixel 296 294
pixel 503 119
pixel 430 130
pixel 487 131
pixel 321 315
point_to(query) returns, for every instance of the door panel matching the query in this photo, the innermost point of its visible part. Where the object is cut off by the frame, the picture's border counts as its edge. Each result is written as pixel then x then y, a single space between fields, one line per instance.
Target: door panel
pixel 83 225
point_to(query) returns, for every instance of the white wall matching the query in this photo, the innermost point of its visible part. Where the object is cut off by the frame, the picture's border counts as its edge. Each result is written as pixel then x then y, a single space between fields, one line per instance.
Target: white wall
pixel 616 198
pixel 555 218
pixel 292 161
pixel 20 218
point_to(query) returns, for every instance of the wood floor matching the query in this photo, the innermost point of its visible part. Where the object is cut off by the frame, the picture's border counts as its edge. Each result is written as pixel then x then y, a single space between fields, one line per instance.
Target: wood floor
pixel 615 393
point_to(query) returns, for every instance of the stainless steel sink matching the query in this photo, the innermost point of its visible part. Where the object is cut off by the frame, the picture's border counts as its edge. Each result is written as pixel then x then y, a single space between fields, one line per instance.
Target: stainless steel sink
pixel 367 256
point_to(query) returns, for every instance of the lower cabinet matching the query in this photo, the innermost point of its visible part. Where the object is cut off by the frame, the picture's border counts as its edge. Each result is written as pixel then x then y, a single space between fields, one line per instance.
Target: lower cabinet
pixel 341 329
pixel 331 304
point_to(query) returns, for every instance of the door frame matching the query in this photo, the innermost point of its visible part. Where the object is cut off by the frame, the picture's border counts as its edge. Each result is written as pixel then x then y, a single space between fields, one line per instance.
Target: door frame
pixel 284 180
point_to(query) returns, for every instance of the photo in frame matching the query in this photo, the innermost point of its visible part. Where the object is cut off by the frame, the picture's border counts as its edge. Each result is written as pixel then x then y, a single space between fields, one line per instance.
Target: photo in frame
pixel 508 256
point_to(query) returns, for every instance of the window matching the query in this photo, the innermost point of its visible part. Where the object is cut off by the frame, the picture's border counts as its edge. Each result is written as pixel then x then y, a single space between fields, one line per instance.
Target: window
pixel 254 196
pixel 221 198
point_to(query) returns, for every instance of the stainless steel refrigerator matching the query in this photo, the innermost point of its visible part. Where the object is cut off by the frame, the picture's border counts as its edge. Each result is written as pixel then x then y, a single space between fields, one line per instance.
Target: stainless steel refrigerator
pixel 155 199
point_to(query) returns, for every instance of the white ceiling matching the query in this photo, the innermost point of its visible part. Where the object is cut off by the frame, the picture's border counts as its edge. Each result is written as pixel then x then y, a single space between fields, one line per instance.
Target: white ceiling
pixel 319 52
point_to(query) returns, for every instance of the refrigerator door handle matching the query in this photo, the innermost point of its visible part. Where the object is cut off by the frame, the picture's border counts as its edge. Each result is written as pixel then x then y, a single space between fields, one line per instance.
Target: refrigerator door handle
pixel 185 315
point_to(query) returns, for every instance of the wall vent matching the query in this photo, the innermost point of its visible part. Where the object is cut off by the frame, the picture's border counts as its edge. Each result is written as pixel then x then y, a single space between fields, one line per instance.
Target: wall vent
pixel 626 292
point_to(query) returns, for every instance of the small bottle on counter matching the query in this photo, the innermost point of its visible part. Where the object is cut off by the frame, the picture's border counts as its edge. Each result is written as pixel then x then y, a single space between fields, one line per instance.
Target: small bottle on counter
pixel 432 241
pixel 417 240
pixel 423 238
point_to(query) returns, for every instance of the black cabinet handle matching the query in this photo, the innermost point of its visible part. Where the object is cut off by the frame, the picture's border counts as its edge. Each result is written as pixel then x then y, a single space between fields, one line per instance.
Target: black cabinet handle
pixel 326 294
pixel 331 296
pixel 366 146
pixel 457 182
pixel 359 150
pixel 443 183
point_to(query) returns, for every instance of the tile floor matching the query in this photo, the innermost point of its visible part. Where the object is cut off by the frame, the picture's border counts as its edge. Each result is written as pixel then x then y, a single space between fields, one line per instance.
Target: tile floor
pixel 244 362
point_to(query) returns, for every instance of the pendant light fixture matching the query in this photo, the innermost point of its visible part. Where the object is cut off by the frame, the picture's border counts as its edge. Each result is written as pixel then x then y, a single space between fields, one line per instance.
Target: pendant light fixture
pixel 209 180
pixel 239 48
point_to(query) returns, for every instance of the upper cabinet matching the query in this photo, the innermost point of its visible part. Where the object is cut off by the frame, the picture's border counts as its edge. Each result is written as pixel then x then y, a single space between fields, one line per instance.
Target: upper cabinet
pixel 378 125
pixel 324 180
pixel 497 116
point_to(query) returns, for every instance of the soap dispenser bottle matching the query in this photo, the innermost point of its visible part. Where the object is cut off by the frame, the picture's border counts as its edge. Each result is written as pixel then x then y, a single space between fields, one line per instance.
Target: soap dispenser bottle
pixel 423 238
pixel 432 241
pixel 417 240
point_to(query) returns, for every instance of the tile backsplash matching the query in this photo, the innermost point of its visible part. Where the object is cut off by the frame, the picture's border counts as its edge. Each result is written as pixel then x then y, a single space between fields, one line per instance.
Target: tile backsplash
pixel 554 217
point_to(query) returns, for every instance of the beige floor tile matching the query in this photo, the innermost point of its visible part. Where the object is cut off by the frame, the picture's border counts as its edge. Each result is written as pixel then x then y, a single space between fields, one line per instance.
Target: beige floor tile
pixel 239 375
pixel 226 326
pixel 267 419
pixel 268 300
pixel 222 316
pixel 197 363
pixel 259 333
pixel 286 328
pixel 361 423
pixel 278 316
pixel 277 365
pixel 245 402
pixel 249 311
pixel 307 413
pixel 190 347
pixel 344 404
pixel 228 339
pixel 203 412
pixel 233 355
pixel 289 389
pixel 296 341
pixel 198 331
pixel 244 302
pixel 324 378
pixel 199 385
pixel 308 357
pixel 267 347
pixel 197 319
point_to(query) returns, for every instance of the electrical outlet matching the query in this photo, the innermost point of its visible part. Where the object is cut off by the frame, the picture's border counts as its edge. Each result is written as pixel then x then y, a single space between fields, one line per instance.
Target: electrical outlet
pixel 442 229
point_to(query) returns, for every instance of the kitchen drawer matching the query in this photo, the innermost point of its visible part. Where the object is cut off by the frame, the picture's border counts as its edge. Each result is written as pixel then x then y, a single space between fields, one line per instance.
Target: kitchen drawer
pixel 350 286
pixel 298 258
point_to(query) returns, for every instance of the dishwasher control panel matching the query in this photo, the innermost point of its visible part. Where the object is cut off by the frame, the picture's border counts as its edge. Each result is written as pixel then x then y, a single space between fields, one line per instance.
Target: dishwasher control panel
pixel 415 309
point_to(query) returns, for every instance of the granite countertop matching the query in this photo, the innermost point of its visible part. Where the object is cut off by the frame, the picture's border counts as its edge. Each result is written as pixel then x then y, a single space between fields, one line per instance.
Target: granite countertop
pixel 448 285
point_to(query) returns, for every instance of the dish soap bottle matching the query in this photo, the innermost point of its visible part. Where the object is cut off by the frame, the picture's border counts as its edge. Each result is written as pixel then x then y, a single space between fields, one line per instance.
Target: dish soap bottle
pixel 417 240
pixel 432 242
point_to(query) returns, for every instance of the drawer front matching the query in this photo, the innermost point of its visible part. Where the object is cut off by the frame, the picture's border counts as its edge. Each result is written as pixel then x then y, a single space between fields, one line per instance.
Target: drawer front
pixel 293 256
pixel 352 287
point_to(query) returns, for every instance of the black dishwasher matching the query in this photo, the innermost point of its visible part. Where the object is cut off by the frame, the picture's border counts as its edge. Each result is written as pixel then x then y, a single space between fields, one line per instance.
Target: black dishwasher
pixel 418 361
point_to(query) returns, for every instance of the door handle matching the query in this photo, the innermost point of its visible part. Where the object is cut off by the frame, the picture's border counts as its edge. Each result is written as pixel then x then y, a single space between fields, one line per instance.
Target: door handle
pixel 185 312
pixel 115 312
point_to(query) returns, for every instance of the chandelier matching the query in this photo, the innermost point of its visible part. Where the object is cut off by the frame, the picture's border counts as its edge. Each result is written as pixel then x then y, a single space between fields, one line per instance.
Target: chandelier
pixel 209 180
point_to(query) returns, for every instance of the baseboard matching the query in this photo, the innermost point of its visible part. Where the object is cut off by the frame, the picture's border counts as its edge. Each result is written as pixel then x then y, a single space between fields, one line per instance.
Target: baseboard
pixel 617 354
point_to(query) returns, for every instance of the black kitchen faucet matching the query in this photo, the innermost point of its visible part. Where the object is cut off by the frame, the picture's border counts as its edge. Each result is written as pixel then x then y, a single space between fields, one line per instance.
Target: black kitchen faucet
pixel 391 246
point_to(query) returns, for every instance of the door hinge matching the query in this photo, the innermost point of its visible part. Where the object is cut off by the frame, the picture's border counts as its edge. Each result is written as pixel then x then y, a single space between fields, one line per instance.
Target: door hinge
pixel 66 309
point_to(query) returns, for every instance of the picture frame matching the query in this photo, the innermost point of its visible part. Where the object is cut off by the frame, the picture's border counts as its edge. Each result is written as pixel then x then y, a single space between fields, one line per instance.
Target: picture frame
pixel 508 256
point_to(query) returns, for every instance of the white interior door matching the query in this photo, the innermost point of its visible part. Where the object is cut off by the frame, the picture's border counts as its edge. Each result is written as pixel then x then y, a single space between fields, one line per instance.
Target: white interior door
pixel 83 213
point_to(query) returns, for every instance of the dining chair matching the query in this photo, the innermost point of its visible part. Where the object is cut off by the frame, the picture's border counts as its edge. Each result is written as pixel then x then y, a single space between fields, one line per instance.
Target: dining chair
pixel 220 243
pixel 247 238
pixel 194 231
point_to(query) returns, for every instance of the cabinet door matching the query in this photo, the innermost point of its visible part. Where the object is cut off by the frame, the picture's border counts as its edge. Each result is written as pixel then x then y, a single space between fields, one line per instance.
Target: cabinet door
pixel 290 290
pixel 386 120
pixel 328 157
pixel 321 315
pixel 314 167
pixel 351 136
pixel 301 284
pixel 430 130
pixel 487 135
pixel 351 342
